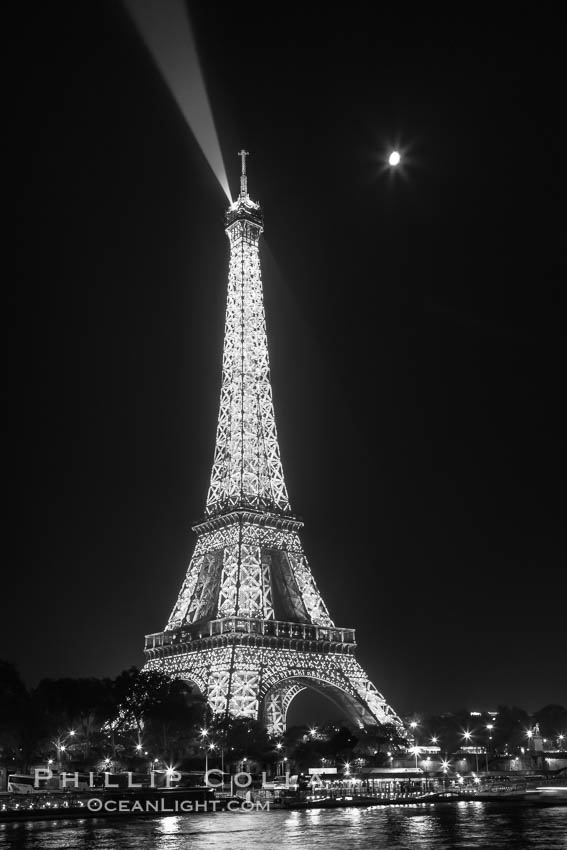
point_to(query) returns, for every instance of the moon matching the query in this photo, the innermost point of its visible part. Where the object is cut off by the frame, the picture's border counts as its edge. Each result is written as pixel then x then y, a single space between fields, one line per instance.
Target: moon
pixel 394 158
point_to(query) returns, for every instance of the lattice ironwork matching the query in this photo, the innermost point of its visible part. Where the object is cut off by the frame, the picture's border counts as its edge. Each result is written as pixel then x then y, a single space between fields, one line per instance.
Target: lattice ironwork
pixel 276 704
pixel 247 469
pixel 253 680
pixel 237 570
pixel 250 627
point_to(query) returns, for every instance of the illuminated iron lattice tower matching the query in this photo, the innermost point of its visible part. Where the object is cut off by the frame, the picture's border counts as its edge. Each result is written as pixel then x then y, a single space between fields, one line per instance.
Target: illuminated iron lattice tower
pixel 249 627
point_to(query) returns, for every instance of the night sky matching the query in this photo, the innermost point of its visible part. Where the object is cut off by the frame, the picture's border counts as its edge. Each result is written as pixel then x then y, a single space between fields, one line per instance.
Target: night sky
pixel 413 323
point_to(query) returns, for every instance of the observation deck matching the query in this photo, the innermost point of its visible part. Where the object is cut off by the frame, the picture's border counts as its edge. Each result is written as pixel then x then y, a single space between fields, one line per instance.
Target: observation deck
pixel 276 634
pixel 244 209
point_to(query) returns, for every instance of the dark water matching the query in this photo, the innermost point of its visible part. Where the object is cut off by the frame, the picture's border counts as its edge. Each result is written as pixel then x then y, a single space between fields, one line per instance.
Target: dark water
pixel 461 825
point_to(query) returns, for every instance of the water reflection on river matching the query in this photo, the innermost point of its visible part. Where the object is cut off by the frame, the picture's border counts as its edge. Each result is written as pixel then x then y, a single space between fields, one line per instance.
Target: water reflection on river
pixel 462 825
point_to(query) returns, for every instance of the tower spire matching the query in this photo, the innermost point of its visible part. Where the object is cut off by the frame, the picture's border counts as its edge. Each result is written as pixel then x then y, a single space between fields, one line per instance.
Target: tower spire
pixel 243 181
pixel 247 468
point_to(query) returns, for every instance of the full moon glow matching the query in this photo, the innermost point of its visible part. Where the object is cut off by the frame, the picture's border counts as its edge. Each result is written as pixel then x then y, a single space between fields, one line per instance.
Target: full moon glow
pixel 394 158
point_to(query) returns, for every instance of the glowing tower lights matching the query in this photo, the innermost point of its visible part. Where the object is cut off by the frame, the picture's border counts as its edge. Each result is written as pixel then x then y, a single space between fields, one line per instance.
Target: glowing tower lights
pixel 250 628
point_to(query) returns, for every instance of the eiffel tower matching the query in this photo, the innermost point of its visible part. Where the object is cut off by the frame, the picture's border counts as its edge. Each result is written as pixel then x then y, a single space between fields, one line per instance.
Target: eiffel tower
pixel 250 629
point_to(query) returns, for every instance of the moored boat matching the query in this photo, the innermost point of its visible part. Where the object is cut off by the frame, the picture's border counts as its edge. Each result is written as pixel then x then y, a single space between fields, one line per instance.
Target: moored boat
pixel 102 803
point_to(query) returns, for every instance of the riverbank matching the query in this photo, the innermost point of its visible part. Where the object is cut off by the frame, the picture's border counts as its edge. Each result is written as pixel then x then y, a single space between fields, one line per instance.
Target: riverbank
pixel 526 799
pixel 53 806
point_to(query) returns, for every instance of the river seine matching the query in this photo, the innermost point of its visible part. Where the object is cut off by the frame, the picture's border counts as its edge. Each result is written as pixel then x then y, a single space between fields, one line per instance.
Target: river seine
pixel 467 825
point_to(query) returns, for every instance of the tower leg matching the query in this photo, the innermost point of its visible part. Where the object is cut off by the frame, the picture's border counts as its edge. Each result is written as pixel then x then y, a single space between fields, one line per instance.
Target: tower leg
pixel 276 705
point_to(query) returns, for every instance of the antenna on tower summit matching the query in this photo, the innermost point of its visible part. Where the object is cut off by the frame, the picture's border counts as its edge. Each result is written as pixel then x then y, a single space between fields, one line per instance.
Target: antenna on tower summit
pixel 243 182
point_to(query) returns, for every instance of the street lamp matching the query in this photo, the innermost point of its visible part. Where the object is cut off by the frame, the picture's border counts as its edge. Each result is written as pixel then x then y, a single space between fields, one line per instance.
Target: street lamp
pixel 489 727
pixel 468 737
pixel 279 767
pixel 445 768
pixel 60 748
pixel 209 749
